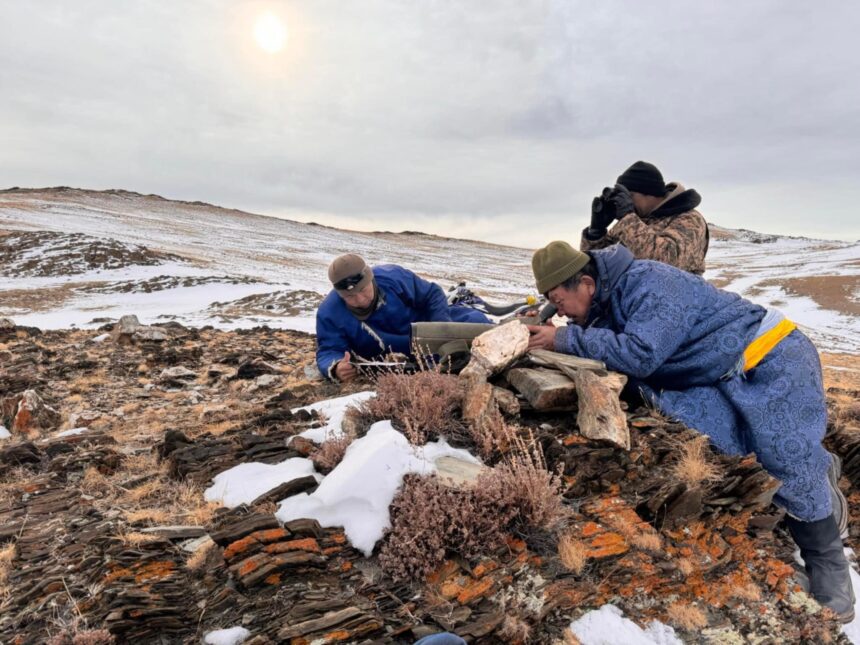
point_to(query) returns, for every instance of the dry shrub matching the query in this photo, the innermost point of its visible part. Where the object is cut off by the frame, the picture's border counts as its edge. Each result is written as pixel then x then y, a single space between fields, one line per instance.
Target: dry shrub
pixel 421 404
pixel 693 467
pixel 429 520
pixel 330 452
pixel 524 481
pixel 686 616
pixel 572 553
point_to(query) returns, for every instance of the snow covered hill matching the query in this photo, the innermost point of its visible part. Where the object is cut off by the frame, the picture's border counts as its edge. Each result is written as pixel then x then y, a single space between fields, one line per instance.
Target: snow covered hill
pixel 71 257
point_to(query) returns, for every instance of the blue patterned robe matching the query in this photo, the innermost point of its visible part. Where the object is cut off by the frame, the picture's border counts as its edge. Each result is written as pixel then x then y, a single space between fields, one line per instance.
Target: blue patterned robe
pixel 679 338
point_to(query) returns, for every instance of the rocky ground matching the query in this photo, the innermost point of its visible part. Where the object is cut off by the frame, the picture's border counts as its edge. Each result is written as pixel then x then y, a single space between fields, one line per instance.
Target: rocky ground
pixel 107 529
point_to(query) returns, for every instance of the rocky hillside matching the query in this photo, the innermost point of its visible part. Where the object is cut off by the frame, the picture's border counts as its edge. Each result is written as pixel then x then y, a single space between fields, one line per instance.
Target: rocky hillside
pixel 115 434
pixel 77 257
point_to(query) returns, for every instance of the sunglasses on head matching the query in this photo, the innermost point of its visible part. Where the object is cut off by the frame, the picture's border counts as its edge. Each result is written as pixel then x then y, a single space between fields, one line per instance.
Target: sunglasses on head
pixel 349 281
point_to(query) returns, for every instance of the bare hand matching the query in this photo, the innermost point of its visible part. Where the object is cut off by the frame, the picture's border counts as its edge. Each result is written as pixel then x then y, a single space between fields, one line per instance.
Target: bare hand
pixel 345 371
pixel 542 336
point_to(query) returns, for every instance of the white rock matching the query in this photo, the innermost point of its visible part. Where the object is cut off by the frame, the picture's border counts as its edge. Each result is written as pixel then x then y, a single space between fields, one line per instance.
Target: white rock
pixel 494 350
pixel 177 372
pixel 231 636
pixel 4 433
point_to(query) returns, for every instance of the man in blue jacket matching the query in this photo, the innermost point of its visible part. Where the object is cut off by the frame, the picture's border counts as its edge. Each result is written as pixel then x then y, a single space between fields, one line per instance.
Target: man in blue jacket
pixel 369 313
pixel 737 372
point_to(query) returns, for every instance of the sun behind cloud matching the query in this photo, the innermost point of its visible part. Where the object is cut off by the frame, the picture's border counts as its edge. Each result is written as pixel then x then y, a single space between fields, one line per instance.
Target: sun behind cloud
pixel 270 33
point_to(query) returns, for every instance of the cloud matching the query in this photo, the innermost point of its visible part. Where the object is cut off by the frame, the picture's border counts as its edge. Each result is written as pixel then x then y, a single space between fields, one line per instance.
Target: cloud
pixel 433 111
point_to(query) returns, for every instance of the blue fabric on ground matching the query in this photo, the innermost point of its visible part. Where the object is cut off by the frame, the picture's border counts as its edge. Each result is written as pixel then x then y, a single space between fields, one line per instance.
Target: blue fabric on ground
pixel 444 638
pixel 676 336
pixel 405 298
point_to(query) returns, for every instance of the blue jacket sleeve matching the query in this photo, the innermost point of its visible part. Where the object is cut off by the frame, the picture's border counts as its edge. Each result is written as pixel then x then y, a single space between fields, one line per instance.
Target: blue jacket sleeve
pixel 331 344
pixel 429 299
pixel 658 323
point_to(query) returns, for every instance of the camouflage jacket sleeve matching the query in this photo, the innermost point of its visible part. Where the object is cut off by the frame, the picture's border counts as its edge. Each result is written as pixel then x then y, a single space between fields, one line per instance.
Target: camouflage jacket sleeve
pixel 680 240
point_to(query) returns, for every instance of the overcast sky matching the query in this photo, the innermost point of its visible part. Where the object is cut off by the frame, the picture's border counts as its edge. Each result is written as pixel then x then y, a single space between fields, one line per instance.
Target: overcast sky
pixel 492 120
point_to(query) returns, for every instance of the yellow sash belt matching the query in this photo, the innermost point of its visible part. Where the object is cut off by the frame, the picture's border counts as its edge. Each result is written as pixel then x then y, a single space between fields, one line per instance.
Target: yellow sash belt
pixel 759 348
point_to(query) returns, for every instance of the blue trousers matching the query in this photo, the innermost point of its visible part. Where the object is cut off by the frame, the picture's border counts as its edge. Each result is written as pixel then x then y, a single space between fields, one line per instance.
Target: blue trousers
pixel 776 410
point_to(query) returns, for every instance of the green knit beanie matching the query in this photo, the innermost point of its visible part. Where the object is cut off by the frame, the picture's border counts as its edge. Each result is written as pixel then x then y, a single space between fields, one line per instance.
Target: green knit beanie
pixel 555 263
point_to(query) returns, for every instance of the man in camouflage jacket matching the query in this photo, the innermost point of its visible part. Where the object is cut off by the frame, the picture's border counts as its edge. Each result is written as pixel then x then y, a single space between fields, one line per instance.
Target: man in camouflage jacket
pixel 656 221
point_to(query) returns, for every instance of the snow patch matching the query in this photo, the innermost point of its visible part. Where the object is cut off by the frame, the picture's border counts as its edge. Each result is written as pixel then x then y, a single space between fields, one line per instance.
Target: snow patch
pixel 230 636
pixel 4 433
pixel 244 483
pixel 334 411
pixel 357 493
pixel 607 626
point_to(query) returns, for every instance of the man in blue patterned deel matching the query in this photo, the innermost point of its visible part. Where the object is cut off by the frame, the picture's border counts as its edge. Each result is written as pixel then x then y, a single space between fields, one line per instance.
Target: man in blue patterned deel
pixel 739 373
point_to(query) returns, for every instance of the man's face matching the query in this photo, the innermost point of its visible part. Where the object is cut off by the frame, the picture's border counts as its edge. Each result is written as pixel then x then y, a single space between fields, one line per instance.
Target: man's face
pixel 359 299
pixel 574 303
pixel 643 203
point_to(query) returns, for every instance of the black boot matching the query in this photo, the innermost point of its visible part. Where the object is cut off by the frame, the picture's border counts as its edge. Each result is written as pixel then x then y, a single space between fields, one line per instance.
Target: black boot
pixel 840 504
pixel 826 566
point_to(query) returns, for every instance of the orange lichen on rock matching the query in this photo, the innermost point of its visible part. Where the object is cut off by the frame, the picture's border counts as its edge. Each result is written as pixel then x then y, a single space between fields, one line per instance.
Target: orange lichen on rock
pixel 116 573
pixel 336 636
pixel 154 571
pixel 304 544
pixel 515 544
pixel 238 547
pixel 485 567
pixel 478 589
pixel 606 545
pixel 450 589
pixel 445 570
pixel 273 579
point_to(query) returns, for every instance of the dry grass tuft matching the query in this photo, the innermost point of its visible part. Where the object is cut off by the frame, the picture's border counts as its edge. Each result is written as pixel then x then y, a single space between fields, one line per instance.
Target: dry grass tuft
pixel 95 483
pixel 686 566
pixel 134 538
pixel 216 429
pixel 152 516
pixel 7 555
pixel 568 638
pixel 693 467
pixel 197 560
pixel 750 591
pixel 572 553
pixel 647 542
pixel 686 616
pixel 515 630
pixel 422 404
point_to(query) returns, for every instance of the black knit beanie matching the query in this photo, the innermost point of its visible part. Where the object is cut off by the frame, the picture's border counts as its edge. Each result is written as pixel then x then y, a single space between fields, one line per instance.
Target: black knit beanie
pixel 643 177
